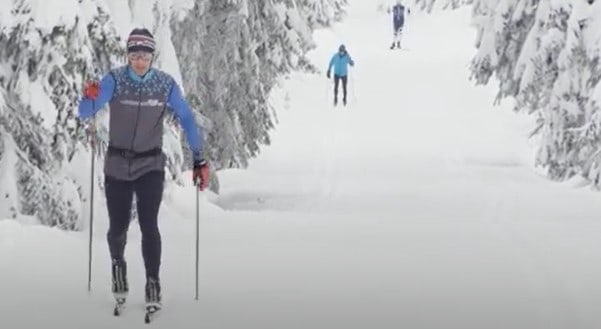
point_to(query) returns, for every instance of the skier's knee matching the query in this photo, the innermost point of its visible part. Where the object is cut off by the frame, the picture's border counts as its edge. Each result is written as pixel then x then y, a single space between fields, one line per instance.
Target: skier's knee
pixel 150 232
pixel 116 237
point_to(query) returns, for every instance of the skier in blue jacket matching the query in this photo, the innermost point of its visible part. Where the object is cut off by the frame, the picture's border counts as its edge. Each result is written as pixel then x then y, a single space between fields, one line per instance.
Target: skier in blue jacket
pixel 139 96
pixel 398 22
pixel 340 62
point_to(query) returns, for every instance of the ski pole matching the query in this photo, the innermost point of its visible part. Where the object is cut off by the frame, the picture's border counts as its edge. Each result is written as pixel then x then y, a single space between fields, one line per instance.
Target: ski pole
pixel 353 86
pixel 91 223
pixel 328 86
pixel 197 232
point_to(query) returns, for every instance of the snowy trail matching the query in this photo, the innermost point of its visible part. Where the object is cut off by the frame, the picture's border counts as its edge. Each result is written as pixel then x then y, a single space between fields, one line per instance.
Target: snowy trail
pixel 414 207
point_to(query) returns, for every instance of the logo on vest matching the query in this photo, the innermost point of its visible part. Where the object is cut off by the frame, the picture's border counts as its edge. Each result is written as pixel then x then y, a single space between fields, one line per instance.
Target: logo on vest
pixel 154 102
pixel 149 102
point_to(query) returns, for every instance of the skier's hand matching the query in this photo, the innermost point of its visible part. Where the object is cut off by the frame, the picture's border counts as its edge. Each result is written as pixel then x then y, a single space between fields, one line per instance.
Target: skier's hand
pixel 352 63
pixel 91 89
pixel 200 174
pixel 328 74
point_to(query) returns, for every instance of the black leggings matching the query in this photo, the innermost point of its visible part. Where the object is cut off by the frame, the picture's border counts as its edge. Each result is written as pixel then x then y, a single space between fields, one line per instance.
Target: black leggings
pixel 119 196
pixel 337 79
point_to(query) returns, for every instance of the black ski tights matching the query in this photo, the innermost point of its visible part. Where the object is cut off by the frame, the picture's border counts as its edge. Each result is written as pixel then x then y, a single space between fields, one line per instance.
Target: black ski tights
pixel 337 79
pixel 119 196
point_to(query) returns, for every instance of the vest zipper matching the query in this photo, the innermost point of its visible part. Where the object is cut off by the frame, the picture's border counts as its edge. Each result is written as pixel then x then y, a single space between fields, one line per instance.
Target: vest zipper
pixel 131 148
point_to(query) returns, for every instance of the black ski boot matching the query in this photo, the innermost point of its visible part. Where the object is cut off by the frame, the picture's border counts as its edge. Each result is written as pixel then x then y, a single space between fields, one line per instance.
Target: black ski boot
pixel 153 292
pixel 119 284
pixel 335 101
pixel 392 47
pixel 153 299
pixel 398 44
pixel 120 287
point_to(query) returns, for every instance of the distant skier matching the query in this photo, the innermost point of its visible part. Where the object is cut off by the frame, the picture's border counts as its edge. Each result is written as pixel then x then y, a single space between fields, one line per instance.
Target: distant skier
pixel 340 62
pixel 138 96
pixel 398 22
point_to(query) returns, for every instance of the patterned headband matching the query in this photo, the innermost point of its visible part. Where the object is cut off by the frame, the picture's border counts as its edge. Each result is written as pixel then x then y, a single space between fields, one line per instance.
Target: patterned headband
pixel 139 42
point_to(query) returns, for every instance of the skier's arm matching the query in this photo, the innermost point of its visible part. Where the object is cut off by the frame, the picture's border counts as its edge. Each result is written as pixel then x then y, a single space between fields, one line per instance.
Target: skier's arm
pixel 182 111
pixel 332 62
pixel 351 61
pixel 88 107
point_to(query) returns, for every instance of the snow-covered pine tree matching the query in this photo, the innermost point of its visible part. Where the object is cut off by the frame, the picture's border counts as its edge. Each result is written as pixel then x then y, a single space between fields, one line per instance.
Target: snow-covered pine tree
pixel 234 53
pixel 212 45
pixel 41 79
pixel 571 131
pixel 321 13
pixel 428 5
pixel 542 54
pixel 545 55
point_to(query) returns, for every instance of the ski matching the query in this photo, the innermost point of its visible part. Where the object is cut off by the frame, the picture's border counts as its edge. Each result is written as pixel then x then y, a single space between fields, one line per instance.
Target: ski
pixel 119 306
pixel 151 313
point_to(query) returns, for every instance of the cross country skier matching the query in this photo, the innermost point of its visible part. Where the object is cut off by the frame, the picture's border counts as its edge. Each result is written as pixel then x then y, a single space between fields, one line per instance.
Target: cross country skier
pixel 138 96
pixel 398 22
pixel 340 62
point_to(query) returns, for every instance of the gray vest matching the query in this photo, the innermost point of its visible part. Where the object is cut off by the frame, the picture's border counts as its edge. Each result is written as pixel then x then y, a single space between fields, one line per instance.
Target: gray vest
pixel 137 110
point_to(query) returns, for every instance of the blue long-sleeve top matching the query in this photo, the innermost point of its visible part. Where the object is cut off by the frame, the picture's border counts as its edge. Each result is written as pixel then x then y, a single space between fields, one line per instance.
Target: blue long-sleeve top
pixel 176 102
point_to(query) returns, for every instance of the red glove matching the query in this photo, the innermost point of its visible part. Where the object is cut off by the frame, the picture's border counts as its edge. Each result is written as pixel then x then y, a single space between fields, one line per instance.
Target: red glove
pixel 200 174
pixel 91 90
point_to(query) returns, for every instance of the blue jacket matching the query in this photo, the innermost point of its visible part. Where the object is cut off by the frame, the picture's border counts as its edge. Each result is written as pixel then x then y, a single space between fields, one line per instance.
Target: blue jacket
pixel 340 64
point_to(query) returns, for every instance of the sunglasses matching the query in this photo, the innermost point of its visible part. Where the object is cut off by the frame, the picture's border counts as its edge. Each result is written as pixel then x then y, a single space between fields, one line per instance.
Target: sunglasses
pixel 139 55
